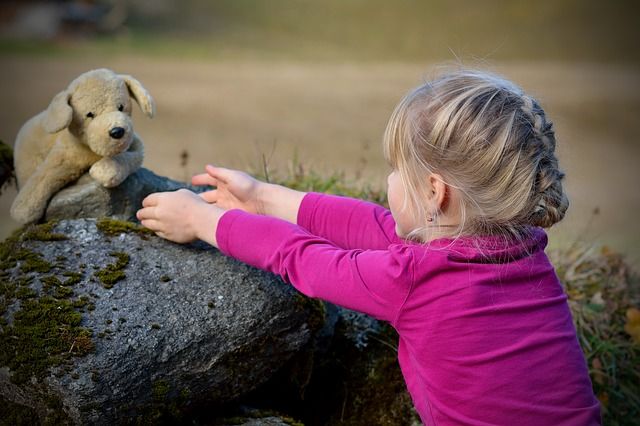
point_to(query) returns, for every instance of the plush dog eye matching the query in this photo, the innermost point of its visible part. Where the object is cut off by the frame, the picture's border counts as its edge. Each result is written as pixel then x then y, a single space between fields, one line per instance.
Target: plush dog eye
pixel 90 115
pixel 120 107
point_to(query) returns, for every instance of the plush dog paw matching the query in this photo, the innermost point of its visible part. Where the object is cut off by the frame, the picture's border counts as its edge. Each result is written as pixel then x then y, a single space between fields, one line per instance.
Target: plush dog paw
pixel 24 212
pixel 108 172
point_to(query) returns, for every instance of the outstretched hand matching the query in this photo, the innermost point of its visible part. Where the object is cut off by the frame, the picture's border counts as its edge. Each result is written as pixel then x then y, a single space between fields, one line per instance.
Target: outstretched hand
pixel 234 189
pixel 181 216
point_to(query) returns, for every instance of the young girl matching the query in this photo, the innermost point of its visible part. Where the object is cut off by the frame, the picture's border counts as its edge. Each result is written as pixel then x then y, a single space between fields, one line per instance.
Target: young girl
pixel 457 265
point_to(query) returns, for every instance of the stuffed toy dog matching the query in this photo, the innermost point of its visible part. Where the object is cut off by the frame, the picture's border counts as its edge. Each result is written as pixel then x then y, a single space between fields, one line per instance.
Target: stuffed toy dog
pixel 86 127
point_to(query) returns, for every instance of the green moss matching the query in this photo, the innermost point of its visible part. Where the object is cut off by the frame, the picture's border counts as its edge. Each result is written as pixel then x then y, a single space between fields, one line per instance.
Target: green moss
pixel 81 302
pixel 72 278
pixel 16 414
pixel 373 389
pixel 155 326
pixel 44 332
pixel 45 329
pixel 8 290
pixel 31 261
pixel 315 308
pixel 185 393
pixel 167 407
pixel 61 288
pixel 56 415
pixel 6 153
pixel 7 172
pixel 25 293
pixel 113 227
pixel 113 272
pixel 42 232
pixel 51 281
pixel 7 250
pixel 160 390
pixel 24 280
pixel 165 278
pixel 62 293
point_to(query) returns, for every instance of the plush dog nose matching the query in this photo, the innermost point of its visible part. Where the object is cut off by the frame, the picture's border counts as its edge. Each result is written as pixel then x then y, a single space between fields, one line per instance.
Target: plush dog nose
pixel 116 132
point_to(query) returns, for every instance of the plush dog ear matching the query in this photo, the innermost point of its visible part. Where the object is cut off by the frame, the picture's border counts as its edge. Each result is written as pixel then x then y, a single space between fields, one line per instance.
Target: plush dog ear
pixel 140 94
pixel 59 113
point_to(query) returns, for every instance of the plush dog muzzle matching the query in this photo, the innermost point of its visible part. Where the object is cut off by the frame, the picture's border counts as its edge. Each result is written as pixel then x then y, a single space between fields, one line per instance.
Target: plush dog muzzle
pixel 110 133
pixel 117 132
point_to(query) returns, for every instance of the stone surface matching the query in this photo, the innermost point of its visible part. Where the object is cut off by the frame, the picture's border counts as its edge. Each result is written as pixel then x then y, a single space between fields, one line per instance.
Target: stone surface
pixel 186 323
pixel 87 198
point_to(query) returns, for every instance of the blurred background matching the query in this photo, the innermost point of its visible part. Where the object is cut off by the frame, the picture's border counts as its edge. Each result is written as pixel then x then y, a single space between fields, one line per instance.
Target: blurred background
pixel 240 83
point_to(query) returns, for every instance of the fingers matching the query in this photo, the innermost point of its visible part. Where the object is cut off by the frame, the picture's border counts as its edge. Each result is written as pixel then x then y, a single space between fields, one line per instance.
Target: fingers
pixel 151 200
pixel 146 213
pixel 209 196
pixel 219 173
pixel 204 179
pixel 213 176
pixel 154 225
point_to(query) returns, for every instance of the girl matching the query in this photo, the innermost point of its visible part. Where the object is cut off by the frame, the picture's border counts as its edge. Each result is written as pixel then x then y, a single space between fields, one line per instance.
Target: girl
pixel 457 265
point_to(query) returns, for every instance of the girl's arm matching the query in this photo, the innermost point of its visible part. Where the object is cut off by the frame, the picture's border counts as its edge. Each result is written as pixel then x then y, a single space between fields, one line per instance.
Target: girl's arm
pixel 375 282
pixel 347 222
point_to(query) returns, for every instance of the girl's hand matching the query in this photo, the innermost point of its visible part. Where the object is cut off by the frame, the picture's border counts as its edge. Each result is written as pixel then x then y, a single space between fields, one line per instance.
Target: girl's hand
pixel 234 189
pixel 180 216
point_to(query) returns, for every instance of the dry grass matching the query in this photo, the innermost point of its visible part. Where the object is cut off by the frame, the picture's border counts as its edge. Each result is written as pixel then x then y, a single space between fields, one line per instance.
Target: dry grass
pixel 602 290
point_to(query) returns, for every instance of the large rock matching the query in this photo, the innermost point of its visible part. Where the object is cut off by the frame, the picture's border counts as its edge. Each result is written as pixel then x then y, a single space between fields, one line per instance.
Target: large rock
pixel 87 198
pixel 164 324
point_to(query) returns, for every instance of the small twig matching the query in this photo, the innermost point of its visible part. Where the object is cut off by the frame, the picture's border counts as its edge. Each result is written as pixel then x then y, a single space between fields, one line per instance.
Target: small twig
pixel 344 402
pixel 265 168
pixel 389 345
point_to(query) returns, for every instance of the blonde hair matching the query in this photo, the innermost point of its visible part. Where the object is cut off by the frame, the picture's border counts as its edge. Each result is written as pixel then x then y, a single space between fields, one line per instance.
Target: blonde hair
pixel 487 139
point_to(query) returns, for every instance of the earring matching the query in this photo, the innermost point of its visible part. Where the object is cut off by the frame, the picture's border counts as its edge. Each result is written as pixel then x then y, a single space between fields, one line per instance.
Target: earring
pixel 430 219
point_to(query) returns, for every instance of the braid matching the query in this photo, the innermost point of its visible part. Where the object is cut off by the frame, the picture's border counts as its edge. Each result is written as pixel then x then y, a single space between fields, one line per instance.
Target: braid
pixel 548 198
pixel 492 144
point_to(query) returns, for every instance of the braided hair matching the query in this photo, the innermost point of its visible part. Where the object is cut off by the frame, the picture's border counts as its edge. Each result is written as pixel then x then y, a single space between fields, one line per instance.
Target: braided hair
pixel 490 141
pixel 548 196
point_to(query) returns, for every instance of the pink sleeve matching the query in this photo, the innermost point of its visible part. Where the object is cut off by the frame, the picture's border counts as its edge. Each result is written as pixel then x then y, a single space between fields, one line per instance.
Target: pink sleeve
pixel 375 282
pixel 347 222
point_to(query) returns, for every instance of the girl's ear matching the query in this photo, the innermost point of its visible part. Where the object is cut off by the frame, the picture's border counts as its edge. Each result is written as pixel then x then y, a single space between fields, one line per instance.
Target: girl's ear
pixel 438 192
pixel 140 94
pixel 59 113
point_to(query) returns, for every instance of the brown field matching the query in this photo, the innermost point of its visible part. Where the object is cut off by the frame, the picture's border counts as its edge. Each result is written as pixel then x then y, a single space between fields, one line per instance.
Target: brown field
pixel 330 116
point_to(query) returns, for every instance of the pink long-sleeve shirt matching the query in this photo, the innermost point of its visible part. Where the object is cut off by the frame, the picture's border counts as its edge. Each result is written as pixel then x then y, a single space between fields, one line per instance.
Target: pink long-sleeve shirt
pixel 486 337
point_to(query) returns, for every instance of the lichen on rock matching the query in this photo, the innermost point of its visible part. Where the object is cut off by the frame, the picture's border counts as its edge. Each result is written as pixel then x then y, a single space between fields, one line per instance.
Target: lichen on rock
pixel 99 349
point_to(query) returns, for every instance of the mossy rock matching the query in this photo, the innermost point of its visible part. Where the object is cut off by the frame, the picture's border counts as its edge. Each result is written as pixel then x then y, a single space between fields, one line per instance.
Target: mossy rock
pixel 91 326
